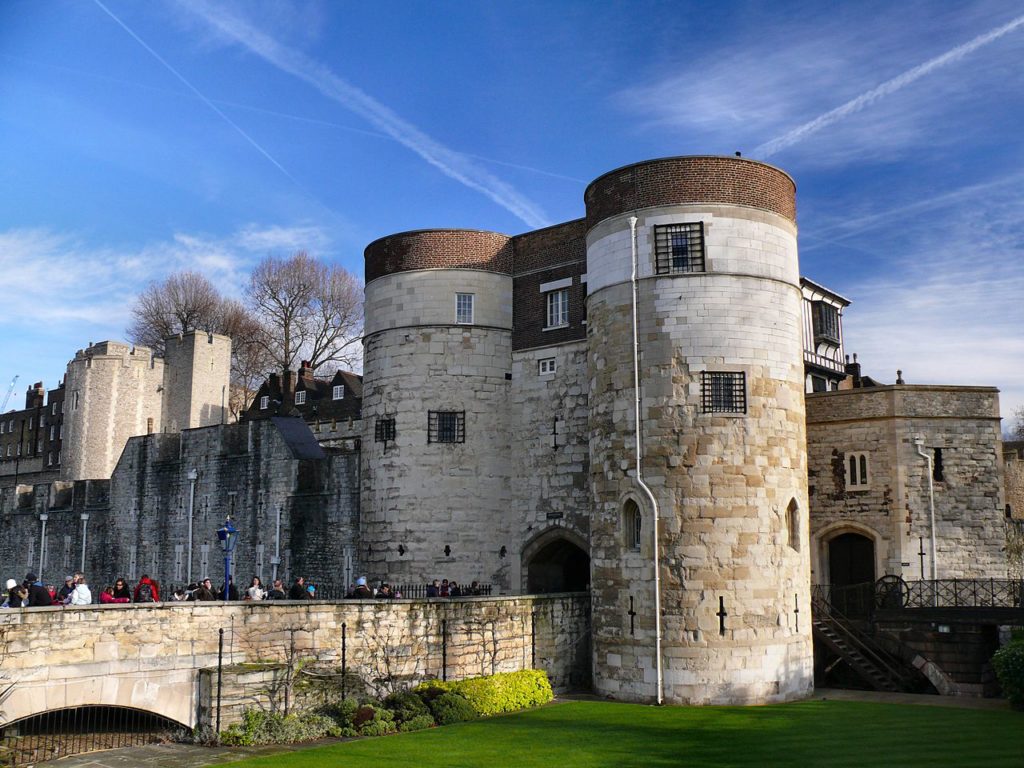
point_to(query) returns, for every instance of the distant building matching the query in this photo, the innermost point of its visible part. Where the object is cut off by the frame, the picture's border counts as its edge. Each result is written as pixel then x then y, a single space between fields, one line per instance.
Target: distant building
pixel 31 438
pixel 335 399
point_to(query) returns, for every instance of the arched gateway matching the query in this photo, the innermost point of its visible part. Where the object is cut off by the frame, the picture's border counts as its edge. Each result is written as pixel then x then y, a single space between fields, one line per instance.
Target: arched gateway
pixel 556 561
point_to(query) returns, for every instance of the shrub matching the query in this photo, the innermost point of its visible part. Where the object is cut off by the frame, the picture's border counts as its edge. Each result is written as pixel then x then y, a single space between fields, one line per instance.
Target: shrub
pixel 261 727
pixel 1008 663
pixel 406 705
pixel 380 723
pixel 504 692
pixel 451 708
pixel 342 712
pixel 417 723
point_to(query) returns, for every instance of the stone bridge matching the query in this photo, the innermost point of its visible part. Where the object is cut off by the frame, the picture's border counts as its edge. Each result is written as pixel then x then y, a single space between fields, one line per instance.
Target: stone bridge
pixel 148 657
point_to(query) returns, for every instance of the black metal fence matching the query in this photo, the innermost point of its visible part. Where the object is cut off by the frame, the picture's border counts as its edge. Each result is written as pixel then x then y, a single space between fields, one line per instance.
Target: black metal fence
pixel 73 731
pixel 892 592
pixel 411 591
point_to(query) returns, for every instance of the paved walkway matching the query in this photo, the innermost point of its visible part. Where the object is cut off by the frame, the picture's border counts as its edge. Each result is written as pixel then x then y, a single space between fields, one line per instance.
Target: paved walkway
pixel 924 699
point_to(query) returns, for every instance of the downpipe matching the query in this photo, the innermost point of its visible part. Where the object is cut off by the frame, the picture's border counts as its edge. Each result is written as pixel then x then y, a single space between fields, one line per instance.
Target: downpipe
pixel 919 444
pixel 639 470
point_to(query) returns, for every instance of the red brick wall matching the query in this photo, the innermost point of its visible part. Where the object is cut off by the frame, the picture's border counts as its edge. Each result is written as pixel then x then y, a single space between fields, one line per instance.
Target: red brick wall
pixel 439 248
pixel 676 180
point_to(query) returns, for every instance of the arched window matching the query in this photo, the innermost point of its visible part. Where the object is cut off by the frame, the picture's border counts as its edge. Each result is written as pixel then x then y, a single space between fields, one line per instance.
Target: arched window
pixel 793 524
pixel 633 523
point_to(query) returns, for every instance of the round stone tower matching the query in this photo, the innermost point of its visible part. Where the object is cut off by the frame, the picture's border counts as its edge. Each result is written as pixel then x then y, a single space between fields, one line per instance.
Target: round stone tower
pixel 436 368
pixel 722 433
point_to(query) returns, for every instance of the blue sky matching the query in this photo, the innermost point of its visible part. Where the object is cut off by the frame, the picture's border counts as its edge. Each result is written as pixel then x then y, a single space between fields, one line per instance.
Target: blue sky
pixel 142 138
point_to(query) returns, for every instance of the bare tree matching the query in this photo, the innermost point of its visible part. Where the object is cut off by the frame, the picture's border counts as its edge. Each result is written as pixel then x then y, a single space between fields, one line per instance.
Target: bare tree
pixel 185 301
pixel 309 310
pixel 250 354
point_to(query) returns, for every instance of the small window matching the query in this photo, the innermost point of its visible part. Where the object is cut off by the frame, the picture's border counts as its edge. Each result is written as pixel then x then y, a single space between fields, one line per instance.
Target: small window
pixel 446 427
pixel 3 427
pixel 53 409
pixel 857 478
pixel 58 457
pixel 633 523
pixel 793 524
pixel 937 473
pixel 53 431
pixel 825 319
pixel 60 432
pixel 723 392
pixel 8 451
pixel 679 248
pixel 546 366
pixel 74 401
pixel 30 422
pixel 49 459
pixel 338 392
pixel 300 397
pixel 557 309
pixel 384 430
pixel 464 308
pixel 264 402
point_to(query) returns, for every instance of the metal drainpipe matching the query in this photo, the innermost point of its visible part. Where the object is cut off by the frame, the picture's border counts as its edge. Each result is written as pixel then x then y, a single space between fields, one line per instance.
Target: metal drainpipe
pixel 277 545
pixel 192 477
pixel 919 443
pixel 42 544
pixel 639 470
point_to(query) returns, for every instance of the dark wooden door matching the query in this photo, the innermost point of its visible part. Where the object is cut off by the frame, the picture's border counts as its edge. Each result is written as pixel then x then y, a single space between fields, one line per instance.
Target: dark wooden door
pixel 851 564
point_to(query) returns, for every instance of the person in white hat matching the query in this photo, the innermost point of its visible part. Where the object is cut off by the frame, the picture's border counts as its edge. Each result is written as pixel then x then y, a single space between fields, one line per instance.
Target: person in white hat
pixel 362 592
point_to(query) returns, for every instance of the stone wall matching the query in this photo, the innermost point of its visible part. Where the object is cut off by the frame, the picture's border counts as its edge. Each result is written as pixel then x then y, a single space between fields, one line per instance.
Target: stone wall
pixel 148 656
pixel 137 522
pixel 197 370
pixel 958 424
pixel 1013 468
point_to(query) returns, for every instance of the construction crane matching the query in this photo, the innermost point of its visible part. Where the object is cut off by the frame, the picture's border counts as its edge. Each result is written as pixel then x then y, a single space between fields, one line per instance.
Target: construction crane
pixel 10 391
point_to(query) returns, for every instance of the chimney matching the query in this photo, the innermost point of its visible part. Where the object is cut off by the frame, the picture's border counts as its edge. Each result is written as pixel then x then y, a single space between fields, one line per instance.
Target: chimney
pixel 853 370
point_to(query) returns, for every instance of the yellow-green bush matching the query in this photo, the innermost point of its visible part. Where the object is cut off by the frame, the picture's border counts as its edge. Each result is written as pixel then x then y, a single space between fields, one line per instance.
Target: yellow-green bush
pixel 503 692
pixel 1008 662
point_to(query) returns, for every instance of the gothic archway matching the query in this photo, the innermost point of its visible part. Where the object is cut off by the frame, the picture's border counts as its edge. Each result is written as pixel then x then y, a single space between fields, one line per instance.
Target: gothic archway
pixel 556 562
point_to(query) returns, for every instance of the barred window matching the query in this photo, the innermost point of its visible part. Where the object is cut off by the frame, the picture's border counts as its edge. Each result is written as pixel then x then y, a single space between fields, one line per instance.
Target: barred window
pixel 679 248
pixel 446 426
pixel 825 319
pixel 384 430
pixel 558 308
pixel 300 397
pixel 464 308
pixel 723 392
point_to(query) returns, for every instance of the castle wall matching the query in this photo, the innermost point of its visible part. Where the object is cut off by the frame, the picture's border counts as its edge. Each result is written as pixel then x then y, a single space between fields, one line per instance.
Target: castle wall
pixel 892 508
pixel 549 422
pixel 1013 472
pixel 113 392
pixel 724 482
pixel 138 520
pixel 436 509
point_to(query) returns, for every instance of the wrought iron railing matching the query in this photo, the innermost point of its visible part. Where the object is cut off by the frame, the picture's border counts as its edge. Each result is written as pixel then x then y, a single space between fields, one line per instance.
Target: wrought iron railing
pixel 963 593
pixel 853 600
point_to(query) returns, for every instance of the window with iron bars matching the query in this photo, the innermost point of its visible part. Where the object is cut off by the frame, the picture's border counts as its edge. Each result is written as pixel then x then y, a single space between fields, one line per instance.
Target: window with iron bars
pixel 446 426
pixel 384 430
pixel 723 392
pixel 679 248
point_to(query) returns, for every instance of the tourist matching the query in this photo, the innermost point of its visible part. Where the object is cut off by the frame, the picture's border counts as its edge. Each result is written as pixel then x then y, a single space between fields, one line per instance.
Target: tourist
pixel 311 592
pixel 67 589
pixel 362 592
pixel 474 588
pixel 146 591
pixel 179 595
pixel 434 590
pixel 255 590
pixel 277 591
pixel 54 600
pixel 384 593
pixel 204 591
pixel 37 594
pixel 232 590
pixel 16 595
pixel 454 590
pixel 298 589
pixel 107 596
pixel 121 591
pixel 445 590
pixel 81 595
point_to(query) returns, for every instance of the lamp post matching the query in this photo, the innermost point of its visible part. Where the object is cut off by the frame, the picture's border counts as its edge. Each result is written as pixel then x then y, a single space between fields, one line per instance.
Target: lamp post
pixel 228 536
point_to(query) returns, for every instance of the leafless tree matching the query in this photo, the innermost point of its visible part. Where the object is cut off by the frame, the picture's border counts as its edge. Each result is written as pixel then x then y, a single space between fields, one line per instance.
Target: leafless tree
pixel 309 310
pixel 250 355
pixel 185 301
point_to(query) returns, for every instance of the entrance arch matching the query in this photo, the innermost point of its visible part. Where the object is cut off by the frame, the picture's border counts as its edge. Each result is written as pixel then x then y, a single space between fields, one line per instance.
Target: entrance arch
pixel 556 561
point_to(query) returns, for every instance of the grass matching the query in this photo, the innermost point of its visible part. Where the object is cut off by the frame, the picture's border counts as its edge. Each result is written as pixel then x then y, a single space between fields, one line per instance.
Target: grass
pixel 611 735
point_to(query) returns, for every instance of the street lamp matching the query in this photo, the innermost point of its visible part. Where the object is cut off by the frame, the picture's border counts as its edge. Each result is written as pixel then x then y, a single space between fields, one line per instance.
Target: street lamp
pixel 228 536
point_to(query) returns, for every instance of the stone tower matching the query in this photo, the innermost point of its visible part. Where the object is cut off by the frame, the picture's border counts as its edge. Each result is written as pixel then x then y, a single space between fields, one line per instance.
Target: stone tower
pixel 722 426
pixel 436 367
pixel 196 374
pixel 113 391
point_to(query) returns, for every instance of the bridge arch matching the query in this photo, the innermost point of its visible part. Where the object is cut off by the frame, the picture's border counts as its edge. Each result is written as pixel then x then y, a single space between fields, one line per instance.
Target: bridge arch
pixel 556 560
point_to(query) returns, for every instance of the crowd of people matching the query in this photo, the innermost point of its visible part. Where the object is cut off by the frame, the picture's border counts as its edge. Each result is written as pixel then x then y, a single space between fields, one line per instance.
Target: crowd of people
pixel 31 592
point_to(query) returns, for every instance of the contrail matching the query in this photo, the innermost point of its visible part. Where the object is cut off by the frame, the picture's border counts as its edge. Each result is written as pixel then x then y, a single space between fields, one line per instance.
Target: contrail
pixel 801 132
pixel 201 97
pixel 448 161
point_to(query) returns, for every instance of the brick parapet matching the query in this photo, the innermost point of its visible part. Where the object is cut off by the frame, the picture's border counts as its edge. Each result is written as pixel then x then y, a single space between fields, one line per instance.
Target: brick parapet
pixel 692 179
pixel 439 249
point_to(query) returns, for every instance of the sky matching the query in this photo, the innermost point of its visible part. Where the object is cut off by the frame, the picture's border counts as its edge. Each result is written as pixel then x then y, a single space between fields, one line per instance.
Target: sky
pixel 142 138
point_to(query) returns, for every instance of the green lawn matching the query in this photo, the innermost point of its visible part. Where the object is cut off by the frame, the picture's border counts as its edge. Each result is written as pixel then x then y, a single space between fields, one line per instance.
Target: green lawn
pixel 599 734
